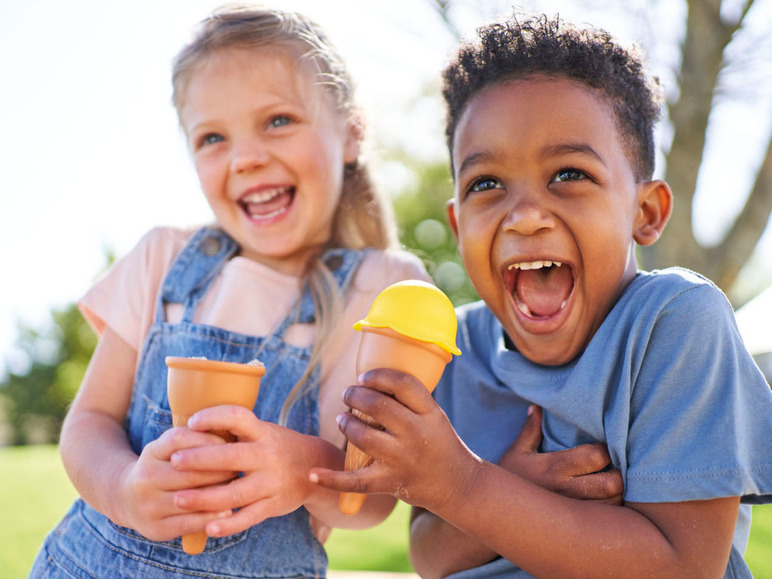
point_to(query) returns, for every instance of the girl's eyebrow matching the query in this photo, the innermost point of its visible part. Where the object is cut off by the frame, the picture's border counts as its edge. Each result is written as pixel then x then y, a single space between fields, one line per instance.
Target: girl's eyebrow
pixel 571 148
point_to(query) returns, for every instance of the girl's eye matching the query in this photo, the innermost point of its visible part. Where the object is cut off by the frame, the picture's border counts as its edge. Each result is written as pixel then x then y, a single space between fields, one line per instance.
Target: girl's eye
pixel 568 175
pixel 485 184
pixel 279 121
pixel 210 139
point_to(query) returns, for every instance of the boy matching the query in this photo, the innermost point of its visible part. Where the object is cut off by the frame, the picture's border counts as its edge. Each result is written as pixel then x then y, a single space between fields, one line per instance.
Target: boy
pixel 550 131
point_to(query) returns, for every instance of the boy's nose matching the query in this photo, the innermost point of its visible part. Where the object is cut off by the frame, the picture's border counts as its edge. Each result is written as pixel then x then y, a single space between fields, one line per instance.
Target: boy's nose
pixel 249 155
pixel 527 217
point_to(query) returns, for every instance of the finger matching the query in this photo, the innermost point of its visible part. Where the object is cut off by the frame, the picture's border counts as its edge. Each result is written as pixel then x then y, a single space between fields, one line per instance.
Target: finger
pixel 354 481
pixel 583 459
pixel 601 486
pixel 178 525
pixel 405 388
pixel 230 458
pixel 370 438
pixel 375 404
pixel 239 421
pixel 235 494
pixel 530 436
pixel 241 520
pixel 178 438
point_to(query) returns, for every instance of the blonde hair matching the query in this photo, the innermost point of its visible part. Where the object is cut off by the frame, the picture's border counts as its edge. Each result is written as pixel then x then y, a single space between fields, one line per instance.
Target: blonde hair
pixel 363 217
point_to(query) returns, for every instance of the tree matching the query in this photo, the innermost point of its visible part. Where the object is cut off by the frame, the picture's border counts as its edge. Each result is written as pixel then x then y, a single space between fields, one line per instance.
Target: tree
pixel 50 365
pixel 722 56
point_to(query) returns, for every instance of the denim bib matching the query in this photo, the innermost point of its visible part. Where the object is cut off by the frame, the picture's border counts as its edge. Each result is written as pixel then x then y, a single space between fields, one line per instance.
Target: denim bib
pixel 87 544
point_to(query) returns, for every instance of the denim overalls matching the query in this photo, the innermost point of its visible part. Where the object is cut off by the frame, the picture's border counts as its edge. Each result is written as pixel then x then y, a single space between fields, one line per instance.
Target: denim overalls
pixel 87 544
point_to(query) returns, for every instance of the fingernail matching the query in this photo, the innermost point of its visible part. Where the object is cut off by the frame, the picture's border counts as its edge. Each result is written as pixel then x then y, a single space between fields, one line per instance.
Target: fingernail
pixel 181 502
pixel 531 409
pixel 313 477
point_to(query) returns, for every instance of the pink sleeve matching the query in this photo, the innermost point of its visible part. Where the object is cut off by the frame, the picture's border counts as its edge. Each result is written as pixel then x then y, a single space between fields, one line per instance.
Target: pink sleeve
pixel 124 298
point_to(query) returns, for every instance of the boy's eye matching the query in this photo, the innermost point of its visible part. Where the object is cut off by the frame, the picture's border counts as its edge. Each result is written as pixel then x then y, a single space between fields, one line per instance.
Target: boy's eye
pixel 279 121
pixel 484 184
pixel 568 175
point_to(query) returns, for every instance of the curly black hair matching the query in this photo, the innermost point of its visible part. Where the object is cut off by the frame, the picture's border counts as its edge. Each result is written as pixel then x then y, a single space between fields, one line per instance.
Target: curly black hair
pixel 544 46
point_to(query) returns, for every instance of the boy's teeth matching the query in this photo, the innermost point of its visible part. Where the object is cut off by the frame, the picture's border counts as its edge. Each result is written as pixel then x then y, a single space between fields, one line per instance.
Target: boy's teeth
pixel 534 264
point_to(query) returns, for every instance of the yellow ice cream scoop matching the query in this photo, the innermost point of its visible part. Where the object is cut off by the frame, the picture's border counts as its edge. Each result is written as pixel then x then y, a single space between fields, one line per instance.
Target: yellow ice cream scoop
pixel 415 309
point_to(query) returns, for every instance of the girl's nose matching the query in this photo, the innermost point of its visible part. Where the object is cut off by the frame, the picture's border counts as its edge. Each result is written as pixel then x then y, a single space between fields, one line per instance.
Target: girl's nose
pixel 527 216
pixel 248 156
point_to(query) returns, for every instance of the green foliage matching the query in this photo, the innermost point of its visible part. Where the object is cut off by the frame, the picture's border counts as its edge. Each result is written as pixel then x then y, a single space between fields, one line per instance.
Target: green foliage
pixel 53 361
pixel 423 229
pixel 35 493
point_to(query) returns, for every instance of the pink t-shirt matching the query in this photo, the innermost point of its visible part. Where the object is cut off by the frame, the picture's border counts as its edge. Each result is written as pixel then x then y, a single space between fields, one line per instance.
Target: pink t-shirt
pixel 247 297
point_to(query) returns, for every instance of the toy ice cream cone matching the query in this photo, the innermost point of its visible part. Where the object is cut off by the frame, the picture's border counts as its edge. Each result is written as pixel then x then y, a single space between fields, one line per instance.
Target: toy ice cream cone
pixel 411 327
pixel 194 384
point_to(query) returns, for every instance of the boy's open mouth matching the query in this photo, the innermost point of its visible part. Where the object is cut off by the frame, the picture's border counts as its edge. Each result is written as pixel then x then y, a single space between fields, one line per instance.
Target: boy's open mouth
pixel 540 289
pixel 267 203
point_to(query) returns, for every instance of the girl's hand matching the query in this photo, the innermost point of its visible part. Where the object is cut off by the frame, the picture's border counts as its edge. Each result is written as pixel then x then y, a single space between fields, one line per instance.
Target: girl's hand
pixel 148 485
pixel 418 457
pixel 577 473
pixel 273 459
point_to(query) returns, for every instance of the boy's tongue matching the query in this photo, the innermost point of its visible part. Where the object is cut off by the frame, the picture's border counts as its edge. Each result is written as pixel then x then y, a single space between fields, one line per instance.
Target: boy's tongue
pixel 544 290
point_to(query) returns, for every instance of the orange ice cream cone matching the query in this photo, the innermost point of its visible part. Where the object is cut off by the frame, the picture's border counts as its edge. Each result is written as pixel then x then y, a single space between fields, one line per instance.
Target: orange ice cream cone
pixel 411 327
pixel 194 384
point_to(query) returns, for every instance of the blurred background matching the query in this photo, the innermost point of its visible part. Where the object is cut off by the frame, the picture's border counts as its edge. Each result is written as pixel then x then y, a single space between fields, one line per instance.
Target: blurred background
pixel 92 156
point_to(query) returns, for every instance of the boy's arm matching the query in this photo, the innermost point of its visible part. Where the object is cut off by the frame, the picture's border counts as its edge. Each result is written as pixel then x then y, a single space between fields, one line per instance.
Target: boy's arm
pixel 546 534
pixel 438 549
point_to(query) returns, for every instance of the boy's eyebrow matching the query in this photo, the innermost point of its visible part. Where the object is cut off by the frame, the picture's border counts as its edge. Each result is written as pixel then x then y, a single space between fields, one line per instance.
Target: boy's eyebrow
pixel 568 148
pixel 474 158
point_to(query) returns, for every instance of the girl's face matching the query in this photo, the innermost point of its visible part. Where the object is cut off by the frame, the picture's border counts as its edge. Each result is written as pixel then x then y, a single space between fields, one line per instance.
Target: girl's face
pixel 269 148
pixel 547 211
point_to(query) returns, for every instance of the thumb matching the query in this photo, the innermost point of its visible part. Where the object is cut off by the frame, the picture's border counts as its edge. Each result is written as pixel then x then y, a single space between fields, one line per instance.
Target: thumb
pixel 527 442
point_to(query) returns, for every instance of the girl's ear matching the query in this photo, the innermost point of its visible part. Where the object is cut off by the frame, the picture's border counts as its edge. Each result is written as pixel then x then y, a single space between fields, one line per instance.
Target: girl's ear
pixel 355 134
pixel 450 212
pixel 654 209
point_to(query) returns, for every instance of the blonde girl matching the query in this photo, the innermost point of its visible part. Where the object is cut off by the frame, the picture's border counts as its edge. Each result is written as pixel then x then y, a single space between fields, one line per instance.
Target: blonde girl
pixel 302 243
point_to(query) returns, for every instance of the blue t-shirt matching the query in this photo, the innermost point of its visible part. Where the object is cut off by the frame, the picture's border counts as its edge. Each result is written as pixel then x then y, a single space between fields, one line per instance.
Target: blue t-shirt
pixel 666 383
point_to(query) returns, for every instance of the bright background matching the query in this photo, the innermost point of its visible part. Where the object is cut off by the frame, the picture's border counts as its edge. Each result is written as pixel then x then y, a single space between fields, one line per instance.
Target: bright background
pixel 91 156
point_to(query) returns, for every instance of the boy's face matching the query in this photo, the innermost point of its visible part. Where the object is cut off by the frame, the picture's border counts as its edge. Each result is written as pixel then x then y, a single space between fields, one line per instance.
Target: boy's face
pixel 542 179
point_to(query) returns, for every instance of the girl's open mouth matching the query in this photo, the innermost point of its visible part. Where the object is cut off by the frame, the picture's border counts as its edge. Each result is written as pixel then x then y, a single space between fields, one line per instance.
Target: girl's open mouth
pixel 267 203
pixel 540 289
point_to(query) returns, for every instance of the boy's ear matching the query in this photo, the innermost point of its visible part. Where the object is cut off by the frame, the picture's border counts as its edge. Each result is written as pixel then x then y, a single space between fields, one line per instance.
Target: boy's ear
pixel 654 208
pixel 450 211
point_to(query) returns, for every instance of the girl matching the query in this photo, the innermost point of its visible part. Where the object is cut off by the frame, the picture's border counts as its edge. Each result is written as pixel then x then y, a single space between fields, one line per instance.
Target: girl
pixel 301 246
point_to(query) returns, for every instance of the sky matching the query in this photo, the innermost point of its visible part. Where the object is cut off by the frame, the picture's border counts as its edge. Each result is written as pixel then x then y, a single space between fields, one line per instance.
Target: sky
pixel 92 156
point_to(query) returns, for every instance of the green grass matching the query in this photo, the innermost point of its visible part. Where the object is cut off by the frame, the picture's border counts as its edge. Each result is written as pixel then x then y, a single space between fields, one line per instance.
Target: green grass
pixel 35 493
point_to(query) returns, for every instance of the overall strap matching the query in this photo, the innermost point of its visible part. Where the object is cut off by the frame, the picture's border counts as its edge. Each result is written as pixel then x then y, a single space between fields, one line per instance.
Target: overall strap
pixel 194 269
pixel 343 264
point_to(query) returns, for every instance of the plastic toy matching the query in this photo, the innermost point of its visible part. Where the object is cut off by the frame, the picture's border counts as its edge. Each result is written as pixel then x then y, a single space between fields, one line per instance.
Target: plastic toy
pixel 196 383
pixel 411 327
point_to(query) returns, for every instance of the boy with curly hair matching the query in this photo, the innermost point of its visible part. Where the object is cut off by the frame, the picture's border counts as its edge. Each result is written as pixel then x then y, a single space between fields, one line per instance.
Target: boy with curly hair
pixel 550 131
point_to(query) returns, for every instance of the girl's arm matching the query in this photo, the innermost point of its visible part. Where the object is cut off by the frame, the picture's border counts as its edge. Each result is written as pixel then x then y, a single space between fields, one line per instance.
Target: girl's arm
pixel 132 491
pixel 421 460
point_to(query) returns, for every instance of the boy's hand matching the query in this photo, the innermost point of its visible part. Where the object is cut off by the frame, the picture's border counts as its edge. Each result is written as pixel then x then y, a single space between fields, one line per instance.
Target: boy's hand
pixel 149 483
pixel 573 473
pixel 418 457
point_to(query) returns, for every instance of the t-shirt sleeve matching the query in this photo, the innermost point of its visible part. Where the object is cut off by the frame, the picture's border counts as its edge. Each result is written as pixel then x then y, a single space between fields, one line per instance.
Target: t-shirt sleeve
pixel 701 412
pixel 124 298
